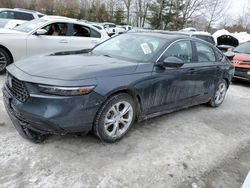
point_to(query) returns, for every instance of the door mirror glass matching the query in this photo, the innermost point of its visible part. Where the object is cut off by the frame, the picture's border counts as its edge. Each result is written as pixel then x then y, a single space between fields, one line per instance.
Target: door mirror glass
pixel 41 32
pixel 172 62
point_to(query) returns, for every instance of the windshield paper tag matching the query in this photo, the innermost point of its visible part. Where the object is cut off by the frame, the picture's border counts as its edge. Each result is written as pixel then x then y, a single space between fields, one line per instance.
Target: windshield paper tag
pixel 146 49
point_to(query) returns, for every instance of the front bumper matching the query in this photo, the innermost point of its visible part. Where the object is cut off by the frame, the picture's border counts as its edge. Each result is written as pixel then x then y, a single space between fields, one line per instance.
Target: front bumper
pixel 52 114
pixel 242 73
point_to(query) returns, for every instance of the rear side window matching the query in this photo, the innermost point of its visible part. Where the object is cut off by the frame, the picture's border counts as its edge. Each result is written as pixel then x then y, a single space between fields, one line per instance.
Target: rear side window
pixel 23 16
pixel 205 53
pixel 7 15
pixel 94 33
pixel 181 50
pixel 84 31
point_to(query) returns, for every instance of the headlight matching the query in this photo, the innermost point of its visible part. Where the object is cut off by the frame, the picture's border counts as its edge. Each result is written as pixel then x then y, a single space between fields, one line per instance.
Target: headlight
pixel 66 91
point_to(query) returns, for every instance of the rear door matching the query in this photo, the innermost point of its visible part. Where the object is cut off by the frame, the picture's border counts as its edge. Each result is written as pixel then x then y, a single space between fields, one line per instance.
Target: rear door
pixel 39 44
pixel 206 71
pixel 83 37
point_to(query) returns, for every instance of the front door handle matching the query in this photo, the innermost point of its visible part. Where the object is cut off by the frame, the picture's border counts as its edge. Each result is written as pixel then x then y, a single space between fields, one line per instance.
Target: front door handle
pixel 63 41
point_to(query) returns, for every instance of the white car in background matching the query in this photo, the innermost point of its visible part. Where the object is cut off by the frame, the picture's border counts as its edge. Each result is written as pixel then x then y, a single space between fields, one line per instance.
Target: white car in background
pixel 10 18
pixel 112 29
pixel 44 35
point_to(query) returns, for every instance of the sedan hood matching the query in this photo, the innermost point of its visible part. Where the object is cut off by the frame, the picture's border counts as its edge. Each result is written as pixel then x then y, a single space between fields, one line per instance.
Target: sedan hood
pixel 75 67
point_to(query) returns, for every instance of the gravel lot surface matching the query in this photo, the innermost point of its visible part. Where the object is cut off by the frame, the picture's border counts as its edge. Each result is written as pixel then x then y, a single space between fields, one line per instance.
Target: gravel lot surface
pixel 197 147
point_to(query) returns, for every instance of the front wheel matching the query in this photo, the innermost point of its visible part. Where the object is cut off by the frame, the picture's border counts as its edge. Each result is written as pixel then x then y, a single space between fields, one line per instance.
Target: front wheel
pixel 4 60
pixel 219 94
pixel 115 118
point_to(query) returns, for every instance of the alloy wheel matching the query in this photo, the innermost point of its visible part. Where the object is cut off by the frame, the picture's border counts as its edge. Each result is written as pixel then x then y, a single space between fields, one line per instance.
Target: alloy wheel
pixel 220 93
pixel 118 119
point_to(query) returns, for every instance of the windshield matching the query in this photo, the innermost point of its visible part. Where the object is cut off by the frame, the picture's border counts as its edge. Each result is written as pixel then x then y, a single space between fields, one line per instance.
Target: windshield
pixel 31 25
pixel 132 47
pixel 243 48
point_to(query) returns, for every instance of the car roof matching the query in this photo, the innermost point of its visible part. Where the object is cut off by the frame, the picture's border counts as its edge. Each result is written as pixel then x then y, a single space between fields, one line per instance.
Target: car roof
pixel 21 10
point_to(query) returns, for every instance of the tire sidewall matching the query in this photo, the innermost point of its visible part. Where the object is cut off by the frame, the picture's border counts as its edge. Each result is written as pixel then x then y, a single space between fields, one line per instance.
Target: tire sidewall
pixel 99 122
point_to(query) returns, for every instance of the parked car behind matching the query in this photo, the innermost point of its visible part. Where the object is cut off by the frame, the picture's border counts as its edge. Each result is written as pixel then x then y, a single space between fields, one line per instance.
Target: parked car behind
pixel 199 34
pixel 47 34
pixel 16 16
pixel 241 61
pixel 225 42
pixel 106 89
pixel 112 29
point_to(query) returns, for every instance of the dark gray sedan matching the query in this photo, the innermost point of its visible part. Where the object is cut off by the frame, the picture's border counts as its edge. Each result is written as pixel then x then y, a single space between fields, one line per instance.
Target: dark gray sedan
pixel 129 77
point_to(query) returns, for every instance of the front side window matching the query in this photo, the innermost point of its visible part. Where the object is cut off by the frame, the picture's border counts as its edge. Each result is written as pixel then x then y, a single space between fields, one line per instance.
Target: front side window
pixel 181 50
pixel 205 53
pixel 57 29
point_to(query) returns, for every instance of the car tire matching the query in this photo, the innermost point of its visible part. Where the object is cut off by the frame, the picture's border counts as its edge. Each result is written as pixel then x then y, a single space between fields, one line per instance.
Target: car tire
pixel 5 60
pixel 31 135
pixel 219 94
pixel 115 118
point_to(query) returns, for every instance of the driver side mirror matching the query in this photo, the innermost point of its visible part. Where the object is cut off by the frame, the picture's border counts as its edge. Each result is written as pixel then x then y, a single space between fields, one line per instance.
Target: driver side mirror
pixel 172 62
pixel 41 32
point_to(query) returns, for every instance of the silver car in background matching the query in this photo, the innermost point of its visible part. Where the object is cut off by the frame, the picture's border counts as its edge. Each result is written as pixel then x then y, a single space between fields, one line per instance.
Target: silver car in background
pixel 45 35
pixel 10 18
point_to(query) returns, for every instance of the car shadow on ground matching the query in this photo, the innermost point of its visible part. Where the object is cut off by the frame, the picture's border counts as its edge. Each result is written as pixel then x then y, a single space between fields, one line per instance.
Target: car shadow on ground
pixel 239 82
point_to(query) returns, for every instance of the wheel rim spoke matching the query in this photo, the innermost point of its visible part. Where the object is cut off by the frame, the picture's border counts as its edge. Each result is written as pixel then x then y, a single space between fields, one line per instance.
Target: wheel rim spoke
pixel 220 93
pixel 118 119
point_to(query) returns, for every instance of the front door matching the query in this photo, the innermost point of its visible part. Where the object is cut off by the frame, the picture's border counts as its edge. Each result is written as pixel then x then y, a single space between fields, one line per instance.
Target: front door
pixel 173 87
pixel 55 40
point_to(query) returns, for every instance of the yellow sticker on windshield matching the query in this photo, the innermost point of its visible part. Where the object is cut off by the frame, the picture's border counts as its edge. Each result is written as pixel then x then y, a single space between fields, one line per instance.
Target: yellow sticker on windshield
pixel 146 49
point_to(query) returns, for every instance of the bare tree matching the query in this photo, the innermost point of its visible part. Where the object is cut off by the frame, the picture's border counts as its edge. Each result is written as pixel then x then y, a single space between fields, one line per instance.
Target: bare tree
pixel 128 6
pixel 215 11
pixel 190 8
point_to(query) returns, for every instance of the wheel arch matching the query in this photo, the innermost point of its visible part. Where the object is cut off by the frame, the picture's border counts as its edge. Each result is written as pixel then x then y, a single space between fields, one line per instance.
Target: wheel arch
pixel 132 93
pixel 8 52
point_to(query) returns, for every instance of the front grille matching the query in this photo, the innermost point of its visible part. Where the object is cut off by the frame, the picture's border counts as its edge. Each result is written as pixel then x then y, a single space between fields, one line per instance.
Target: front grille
pixel 17 88
pixel 241 69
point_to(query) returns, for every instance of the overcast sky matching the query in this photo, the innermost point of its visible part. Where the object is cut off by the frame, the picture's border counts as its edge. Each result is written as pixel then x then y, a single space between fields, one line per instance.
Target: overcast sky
pixel 237 7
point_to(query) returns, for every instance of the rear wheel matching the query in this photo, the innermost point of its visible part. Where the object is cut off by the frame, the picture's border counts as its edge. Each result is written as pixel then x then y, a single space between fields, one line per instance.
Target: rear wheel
pixel 219 94
pixel 115 118
pixel 30 134
pixel 4 60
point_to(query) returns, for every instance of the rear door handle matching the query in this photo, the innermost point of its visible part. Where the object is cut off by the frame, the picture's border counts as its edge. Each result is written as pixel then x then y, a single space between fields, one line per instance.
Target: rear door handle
pixel 192 70
pixel 63 41
pixel 94 41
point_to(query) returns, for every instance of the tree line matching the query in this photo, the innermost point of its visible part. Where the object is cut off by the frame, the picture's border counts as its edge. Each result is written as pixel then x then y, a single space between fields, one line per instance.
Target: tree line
pixel 158 14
